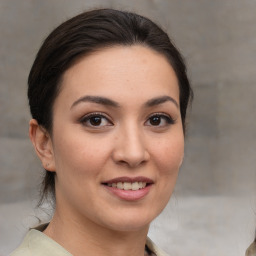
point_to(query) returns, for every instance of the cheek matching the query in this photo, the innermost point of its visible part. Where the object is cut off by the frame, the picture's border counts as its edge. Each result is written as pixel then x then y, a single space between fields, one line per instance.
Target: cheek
pixel 77 155
pixel 169 155
pixel 80 162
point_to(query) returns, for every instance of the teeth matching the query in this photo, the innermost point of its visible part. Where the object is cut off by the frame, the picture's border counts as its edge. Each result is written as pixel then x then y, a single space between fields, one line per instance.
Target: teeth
pixel 120 185
pixel 128 185
pixel 135 186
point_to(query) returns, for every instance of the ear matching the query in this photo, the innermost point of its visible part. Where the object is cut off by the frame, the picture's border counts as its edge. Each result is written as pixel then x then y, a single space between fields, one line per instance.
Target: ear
pixel 42 144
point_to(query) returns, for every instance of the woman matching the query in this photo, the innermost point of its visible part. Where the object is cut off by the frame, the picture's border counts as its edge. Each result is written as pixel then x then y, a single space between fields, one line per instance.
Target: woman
pixel 108 94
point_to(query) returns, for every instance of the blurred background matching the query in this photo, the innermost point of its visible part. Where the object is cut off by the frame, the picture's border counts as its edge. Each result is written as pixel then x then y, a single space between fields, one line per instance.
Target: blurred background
pixel 212 211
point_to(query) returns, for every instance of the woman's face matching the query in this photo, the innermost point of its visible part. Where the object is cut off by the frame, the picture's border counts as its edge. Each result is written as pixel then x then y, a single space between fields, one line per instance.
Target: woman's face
pixel 117 138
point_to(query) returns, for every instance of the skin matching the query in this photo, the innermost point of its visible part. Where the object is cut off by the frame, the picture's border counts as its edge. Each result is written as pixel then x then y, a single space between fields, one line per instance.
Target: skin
pixel 125 143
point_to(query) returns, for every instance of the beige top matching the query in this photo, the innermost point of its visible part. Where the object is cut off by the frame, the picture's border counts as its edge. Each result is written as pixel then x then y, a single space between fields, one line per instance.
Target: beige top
pixel 251 251
pixel 36 243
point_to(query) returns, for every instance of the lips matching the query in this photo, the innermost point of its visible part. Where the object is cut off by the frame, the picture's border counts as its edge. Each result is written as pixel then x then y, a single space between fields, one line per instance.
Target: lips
pixel 129 188
pixel 128 185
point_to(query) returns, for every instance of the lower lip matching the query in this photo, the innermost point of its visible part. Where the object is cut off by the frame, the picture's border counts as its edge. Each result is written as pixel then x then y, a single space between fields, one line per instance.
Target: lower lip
pixel 130 195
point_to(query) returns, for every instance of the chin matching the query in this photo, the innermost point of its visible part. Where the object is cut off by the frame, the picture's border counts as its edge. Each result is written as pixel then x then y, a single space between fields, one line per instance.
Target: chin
pixel 131 220
pixel 130 226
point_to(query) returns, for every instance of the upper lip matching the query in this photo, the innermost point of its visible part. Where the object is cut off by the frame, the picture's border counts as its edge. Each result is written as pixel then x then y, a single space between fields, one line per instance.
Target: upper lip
pixel 129 179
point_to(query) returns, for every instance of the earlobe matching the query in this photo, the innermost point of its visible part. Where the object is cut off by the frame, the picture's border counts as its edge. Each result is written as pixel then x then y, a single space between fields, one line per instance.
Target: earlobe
pixel 42 144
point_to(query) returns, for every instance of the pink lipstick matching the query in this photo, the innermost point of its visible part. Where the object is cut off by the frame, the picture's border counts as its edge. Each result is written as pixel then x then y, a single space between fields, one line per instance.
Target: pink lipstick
pixel 129 188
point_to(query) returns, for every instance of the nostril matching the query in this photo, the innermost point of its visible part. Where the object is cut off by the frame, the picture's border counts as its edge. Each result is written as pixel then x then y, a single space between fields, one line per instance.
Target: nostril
pixel 132 153
pixel 132 164
pixel 122 162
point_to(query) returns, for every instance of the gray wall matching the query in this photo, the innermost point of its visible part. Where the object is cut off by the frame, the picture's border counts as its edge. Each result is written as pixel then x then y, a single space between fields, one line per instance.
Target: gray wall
pixel 218 40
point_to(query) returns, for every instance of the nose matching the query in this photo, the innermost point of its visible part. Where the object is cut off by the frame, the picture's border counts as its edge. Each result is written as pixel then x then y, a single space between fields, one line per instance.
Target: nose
pixel 130 148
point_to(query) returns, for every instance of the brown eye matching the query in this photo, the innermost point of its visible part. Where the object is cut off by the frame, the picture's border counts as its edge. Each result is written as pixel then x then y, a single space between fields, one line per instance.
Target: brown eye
pixel 159 120
pixel 155 120
pixel 95 120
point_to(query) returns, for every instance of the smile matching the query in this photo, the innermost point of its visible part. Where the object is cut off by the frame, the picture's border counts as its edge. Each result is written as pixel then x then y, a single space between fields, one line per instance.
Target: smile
pixel 129 188
pixel 128 185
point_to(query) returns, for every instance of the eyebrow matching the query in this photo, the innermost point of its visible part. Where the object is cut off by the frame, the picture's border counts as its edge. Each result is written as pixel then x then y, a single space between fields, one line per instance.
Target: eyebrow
pixel 96 99
pixel 161 100
pixel 108 102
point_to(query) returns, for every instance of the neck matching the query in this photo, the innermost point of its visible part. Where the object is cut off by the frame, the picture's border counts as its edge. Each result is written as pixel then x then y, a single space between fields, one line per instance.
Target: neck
pixel 88 238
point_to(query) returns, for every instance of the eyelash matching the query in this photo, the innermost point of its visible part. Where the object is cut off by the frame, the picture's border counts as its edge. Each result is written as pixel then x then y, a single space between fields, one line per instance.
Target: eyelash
pixel 88 118
pixel 169 120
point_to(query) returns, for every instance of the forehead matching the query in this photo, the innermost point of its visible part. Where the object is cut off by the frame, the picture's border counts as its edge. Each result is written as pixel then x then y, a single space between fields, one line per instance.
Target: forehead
pixel 120 71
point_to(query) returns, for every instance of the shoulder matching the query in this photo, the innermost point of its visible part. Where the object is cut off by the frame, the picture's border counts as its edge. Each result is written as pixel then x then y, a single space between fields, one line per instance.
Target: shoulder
pixel 21 252
pixel 155 249
pixel 37 243
pixel 251 251
pixel 23 249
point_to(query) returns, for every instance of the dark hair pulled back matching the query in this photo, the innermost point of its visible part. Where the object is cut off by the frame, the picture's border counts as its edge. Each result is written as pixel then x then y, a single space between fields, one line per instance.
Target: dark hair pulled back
pixel 82 35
